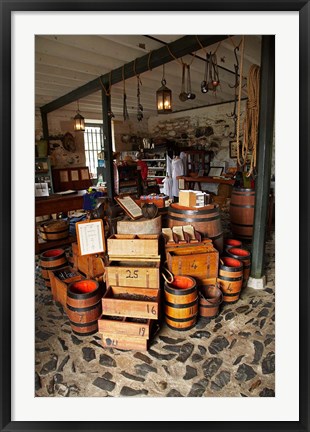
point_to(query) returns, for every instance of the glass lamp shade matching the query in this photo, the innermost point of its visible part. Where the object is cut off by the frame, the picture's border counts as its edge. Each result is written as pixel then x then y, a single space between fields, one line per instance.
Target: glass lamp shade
pixel 163 99
pixel 79 124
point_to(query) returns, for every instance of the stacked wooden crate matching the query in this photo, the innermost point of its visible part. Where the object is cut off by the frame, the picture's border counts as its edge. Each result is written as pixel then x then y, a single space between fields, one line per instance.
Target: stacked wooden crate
pixel 132 300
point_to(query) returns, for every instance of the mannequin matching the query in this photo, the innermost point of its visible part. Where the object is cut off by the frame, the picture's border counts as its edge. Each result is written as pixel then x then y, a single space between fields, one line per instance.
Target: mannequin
pixel 177 169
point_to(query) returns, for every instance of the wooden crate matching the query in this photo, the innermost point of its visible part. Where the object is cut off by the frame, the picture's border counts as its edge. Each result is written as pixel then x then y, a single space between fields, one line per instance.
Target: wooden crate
pixel 60 279
pixel 129 274
pixel 92 266
pixel 131 302
pixel 138 327
pixel 126 245
pixel 124 342
pixel 199 261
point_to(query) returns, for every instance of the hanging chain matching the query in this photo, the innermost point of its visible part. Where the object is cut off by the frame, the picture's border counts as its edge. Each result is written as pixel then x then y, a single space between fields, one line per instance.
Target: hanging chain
pixel 125 110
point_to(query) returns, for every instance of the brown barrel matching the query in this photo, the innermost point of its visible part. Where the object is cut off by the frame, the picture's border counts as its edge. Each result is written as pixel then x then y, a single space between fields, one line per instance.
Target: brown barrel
pixel 181 303
pixel 210 298
pixel 244 256
pixel 84 306
pixel 241 211
pixel 205 219
pixel 54 230
pixel 230 279
pixel 230 242
pixel 52 259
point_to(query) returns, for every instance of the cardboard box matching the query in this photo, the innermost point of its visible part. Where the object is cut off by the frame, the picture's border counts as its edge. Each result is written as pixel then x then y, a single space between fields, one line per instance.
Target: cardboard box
pixel 189 198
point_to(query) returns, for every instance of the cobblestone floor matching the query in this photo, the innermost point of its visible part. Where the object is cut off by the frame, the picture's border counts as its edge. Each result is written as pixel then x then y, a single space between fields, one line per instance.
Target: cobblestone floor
pixel 232 355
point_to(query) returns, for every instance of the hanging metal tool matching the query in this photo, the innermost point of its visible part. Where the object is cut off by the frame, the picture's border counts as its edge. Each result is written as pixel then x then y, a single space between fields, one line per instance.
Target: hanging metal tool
pixel 139 105
pixel 125 110
pixel 183 94
pixel 211 76
pixel 189 93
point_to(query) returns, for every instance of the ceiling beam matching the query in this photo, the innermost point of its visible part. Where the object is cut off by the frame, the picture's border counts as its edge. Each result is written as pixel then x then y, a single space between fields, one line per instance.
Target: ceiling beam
pixel 158 57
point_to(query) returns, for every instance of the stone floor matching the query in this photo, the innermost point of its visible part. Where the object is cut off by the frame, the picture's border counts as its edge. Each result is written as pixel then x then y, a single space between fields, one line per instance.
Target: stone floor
pixel 231 355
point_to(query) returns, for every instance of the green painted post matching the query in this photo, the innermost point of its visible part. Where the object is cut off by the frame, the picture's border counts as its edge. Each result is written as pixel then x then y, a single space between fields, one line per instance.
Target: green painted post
pixel 108 150
pixel 264 155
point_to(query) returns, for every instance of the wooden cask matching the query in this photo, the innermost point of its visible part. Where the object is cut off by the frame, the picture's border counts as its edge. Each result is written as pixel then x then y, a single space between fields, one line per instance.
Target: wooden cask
pixel 52 259
pixel 181 303
pixel 210 298
pixel 84 306
pixel 242 205
pixel 230 279
pixel 54 230
pixel 244 256
pixel 205 220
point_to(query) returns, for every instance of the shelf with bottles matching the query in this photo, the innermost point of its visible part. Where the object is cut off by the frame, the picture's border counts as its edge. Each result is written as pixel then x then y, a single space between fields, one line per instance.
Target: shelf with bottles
pixel 43 172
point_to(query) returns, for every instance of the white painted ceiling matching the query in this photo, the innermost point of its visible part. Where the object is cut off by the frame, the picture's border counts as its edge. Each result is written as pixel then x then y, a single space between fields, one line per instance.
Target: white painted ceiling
pixel 65 62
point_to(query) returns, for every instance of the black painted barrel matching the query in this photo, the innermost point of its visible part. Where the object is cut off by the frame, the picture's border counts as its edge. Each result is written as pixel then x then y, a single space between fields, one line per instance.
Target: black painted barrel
pixel 205 219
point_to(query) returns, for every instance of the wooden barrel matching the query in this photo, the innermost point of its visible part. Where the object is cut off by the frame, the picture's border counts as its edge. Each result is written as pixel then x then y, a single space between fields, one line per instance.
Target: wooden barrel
pixel 54 230
pixel 210 298
pixel 230 279
pixel 244 256
pixel 84 306
pixel 52 259
pixel 241 211
pixel 230 242
pixel 181 303
pixel 205 219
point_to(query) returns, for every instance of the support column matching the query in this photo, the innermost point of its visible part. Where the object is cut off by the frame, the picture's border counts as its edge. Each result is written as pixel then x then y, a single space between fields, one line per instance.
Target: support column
pixel 108 150
pixel 264 155
pixel 44 125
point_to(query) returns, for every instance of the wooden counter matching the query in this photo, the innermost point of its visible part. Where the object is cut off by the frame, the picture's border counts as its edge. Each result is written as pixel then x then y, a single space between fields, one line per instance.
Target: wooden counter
pixel 189 182
pixel 56 204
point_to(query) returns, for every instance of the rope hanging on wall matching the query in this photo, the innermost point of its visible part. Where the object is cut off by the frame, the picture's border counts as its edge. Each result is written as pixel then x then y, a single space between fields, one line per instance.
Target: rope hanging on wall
pixel 250 124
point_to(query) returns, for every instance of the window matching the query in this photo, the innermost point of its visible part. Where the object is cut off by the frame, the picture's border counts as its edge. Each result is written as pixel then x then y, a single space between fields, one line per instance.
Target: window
pixel 93 144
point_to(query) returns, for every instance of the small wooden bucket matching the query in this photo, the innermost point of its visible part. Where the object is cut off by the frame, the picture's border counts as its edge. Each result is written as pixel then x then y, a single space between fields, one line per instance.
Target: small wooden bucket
pixel 54 230
pixel 52 259
pixel 243 255
pixel 230 242
pixel 230 279
pixel 210 298
pixel 84 306
pixel 181 303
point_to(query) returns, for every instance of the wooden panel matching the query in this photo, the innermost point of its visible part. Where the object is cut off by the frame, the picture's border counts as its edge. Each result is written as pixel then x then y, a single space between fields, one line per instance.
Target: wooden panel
pixel 133 245
pixel 131 302
pixel 127 274
pixel 114 340
pixel 76 178
pixel 139 327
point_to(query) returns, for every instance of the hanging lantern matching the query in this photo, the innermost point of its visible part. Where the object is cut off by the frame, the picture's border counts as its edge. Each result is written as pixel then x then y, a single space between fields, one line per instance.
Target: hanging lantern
pixel 164 97
pixel 79 123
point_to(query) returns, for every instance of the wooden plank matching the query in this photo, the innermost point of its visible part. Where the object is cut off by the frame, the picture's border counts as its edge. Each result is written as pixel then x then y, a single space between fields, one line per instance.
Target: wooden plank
pixel 178 48
pixel 129 274
pixel 139 327
pixel 120 341
pixel 131 302
pixel 129 245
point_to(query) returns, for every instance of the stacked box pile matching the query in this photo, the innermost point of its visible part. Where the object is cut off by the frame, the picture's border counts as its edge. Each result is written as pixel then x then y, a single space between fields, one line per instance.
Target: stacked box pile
pixel 132 300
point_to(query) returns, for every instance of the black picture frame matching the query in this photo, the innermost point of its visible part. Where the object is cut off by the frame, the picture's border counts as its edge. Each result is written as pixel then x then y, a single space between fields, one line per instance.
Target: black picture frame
pixel 6 8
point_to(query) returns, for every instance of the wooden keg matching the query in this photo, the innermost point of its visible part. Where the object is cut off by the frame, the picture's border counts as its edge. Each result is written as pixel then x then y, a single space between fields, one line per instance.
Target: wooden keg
pixel 205 219
pixel 241 211
pixel 244 256
pixel 181 303
pixel 230 242
pixel 230 279
pixel 210 298
pixel 84 306
pixel 52 259
pixel 54 230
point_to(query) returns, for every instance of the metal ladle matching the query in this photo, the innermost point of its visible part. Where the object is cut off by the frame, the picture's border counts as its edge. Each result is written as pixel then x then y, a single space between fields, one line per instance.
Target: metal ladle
pixel 183 94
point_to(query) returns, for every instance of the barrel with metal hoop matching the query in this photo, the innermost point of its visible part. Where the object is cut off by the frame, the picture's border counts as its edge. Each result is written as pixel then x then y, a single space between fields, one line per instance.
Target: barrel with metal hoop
pixel 84 306
pixel 52 259
pixel 242 205
pixel 205 220
pixel 181 303
pixel 230 279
